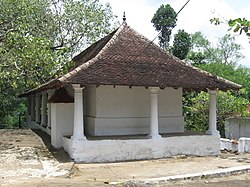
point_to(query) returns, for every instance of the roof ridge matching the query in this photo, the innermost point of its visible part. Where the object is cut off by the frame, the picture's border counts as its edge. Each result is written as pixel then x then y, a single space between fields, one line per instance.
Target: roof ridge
pixel 94 59
pixel 151 42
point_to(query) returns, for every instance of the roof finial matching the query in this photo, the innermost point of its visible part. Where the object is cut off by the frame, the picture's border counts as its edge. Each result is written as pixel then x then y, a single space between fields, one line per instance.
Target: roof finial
pixel 124 18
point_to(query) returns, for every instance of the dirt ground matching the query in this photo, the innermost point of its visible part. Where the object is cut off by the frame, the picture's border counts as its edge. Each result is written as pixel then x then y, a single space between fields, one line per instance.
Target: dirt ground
pixel 24 157
pixel 27 159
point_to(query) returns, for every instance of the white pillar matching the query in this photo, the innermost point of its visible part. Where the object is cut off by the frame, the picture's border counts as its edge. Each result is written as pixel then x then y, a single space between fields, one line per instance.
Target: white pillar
pixel 212 114
pixel 78 132
pixel 44 109
pixel 38 108
pixel 50 94
pixel 154 126
pixel 32 110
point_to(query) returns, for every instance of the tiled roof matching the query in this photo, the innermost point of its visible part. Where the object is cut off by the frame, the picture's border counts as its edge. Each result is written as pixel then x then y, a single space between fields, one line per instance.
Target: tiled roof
pixel 127 58
pixel 61 96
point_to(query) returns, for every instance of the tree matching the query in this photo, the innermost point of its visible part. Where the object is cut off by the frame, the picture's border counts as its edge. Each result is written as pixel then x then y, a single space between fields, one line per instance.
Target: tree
pixel 226 50
pixel 181 44
pixel 39 38
pixel 200 49
pixel 164 20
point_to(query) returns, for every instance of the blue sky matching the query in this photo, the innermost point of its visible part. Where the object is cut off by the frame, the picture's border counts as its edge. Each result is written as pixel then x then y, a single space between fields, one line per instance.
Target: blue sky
pixel 194 17
pixel 239 4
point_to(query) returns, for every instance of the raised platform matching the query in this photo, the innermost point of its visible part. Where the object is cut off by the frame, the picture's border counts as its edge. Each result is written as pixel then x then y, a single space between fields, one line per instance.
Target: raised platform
pixel 121 148
pixel 34 125
pixel 141 136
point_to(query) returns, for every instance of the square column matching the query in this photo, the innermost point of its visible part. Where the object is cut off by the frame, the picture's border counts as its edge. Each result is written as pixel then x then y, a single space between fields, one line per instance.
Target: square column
pixel 78 131
pixel 50 94
pixel 32 109
pixel 44 109
pixel 154 126
pixel 212 114
pixel 28 119
pixel 38 107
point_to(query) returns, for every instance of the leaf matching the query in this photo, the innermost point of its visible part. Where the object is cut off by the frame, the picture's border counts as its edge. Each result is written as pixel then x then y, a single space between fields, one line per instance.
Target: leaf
pixel 237 28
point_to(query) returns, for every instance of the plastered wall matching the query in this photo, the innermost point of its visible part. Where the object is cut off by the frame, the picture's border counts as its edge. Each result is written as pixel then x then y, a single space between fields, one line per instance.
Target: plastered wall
pixel 123 110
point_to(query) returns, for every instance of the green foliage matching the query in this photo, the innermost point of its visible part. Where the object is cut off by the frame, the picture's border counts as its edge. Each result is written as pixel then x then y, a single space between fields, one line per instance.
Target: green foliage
pixel 38 40
pixel 226 50
pixel 196 111
pixel 201 49
pixel 181 44
pixel 215 21
pixel 164 21
pixel 196 58
pixel 237 74
pixel 238 25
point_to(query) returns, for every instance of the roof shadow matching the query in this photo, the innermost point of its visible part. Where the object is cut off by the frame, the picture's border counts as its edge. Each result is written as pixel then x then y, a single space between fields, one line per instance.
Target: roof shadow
pixel 59 154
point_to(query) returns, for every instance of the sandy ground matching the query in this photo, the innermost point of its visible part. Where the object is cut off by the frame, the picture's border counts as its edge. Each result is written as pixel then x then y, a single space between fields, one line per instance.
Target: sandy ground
pixel 27 159
pixel 23 156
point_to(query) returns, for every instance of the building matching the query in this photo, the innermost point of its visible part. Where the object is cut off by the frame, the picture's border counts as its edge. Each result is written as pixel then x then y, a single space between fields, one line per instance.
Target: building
pixel 237 127
pixel 123 101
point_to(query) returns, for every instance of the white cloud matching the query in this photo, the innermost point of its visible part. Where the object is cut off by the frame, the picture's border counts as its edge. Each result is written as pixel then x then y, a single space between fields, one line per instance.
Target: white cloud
pixel 194 17
pixel 138 13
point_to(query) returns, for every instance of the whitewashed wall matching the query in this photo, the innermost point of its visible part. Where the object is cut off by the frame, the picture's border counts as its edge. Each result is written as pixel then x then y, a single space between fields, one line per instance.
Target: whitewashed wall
pixel 237 127
pixel 62 119
pixel 241 146
pixel 229 145
pixel 244 145
pixel 121 110
pixel 137 149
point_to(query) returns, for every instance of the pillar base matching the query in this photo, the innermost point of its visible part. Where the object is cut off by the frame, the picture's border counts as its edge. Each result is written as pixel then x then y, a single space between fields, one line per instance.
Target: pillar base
pixel 78 137
pixel 28 121
pixel 215 132
pixel 44 125
pixel 154 136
